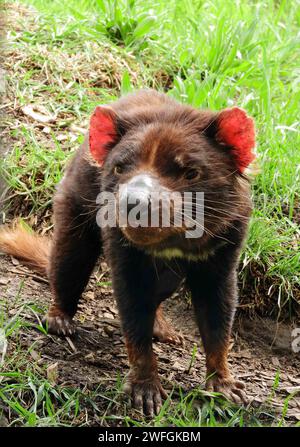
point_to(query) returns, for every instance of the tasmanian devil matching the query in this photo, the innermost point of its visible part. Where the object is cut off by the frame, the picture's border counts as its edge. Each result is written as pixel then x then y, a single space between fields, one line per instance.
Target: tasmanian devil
pixel 149 142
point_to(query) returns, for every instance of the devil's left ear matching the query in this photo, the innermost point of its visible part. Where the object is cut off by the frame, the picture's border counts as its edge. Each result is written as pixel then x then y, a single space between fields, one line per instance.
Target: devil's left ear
pixel 102 132
pixel 235 129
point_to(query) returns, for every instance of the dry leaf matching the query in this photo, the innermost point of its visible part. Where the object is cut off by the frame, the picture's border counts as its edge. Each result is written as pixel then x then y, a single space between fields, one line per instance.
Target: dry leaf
pixel 62 137
pixel 108 316
pixel 3 346
pixel 52 373
pixel 90 295
pixel 35 355
pixel 77 129
pixel 275 361
pixel 4 281
pixel 37 116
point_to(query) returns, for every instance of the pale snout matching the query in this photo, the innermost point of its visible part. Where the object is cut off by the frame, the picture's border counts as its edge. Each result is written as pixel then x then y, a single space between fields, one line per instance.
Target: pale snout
pixel 137 191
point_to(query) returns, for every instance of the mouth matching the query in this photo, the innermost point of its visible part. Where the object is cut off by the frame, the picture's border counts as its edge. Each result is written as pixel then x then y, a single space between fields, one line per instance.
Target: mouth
pixel 146 237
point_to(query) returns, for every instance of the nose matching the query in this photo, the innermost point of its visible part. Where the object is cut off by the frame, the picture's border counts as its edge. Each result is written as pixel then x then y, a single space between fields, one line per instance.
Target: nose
pixel 137 191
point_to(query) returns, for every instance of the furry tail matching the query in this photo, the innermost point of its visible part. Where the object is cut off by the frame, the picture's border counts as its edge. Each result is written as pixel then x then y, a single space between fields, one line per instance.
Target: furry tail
pixel 31 249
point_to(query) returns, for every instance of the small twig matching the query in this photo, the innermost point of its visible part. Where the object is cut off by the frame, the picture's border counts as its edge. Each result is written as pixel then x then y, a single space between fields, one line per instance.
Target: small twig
pixel 31 275
pixel 3 106
pixel 111 322
pixel 71 345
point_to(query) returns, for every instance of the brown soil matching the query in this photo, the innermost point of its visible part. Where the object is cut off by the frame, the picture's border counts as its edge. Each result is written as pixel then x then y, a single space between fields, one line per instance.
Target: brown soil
pixel 97 355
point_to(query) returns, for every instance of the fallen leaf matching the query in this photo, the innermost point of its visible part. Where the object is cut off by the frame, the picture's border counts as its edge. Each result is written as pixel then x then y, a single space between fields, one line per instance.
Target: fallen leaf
pixel 37 116
pixel 4 281
pixel 275 361
pixel 35 355
pixel 52 373
pixel 90 295
pixel 3 346
pixel 77 129
pixel 62 137
pixel 177 365
pixel 294 380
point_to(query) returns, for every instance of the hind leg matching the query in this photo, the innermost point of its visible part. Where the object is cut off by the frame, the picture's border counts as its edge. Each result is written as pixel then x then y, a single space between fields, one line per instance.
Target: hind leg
pixel 170 276
pixel 163 330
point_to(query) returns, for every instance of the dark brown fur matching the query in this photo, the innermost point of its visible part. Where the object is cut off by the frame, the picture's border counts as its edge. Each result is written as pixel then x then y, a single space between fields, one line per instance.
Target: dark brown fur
pixel 159 136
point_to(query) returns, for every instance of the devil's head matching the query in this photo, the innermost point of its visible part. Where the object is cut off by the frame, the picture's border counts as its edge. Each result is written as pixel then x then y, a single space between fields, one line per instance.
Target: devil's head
pixel 169 147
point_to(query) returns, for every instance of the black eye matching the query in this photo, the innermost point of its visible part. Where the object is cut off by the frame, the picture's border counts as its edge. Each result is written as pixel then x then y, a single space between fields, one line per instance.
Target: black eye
pixel 192 174
pixel 118 169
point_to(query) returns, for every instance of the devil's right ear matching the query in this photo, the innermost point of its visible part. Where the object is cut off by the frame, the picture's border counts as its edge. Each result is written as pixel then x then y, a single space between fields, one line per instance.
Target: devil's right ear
pixel 103 132
pixel 234 129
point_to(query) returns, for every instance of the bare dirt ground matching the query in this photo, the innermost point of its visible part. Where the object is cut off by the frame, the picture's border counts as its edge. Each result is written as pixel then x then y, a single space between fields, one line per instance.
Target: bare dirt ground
pixel 96 356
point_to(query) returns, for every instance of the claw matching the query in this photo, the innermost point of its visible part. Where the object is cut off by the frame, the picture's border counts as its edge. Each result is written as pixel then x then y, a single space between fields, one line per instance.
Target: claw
pixel 59 325
pixel 231 389
pixel 146 396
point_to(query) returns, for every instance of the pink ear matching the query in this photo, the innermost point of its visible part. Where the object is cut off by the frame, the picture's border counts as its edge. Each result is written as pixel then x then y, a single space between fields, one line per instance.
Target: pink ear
pixel 102 132
pixel 236 129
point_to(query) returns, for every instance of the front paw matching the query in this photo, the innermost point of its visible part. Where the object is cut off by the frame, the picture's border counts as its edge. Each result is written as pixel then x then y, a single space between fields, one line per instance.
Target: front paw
pixel 59 323
pixel 146 395
pixel 231 389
